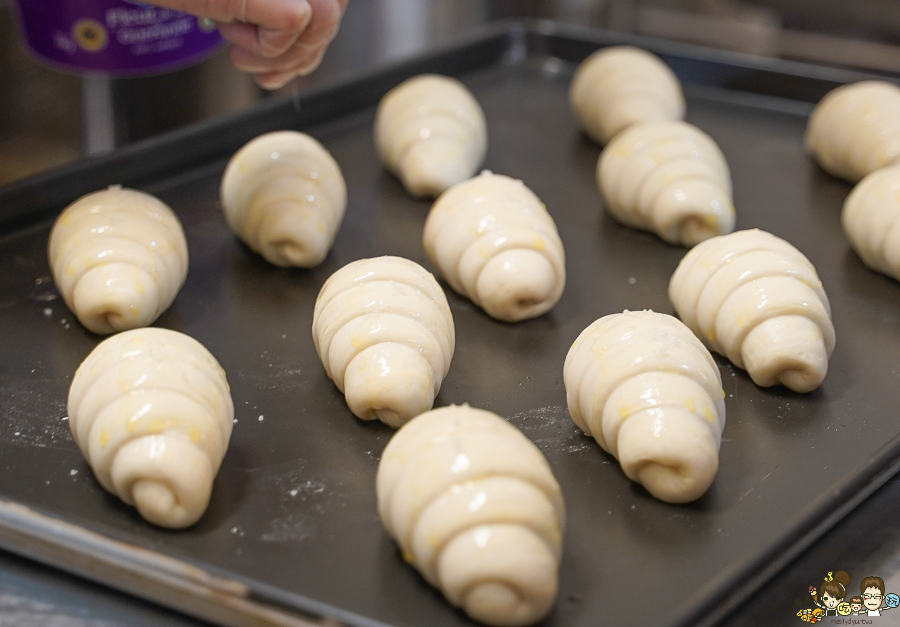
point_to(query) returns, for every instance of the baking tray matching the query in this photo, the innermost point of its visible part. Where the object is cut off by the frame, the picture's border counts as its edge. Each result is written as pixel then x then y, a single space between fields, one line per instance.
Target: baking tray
pixel 292 525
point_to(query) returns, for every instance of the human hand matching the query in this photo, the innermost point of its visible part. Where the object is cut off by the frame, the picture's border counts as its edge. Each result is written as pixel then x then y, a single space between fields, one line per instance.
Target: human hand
pixel 275 40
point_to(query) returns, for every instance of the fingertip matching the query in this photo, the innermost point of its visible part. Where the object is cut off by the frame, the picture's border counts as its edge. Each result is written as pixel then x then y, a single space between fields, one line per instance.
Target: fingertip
pixel 310 66
pixel 296 17
pixel 274 43
pixel 273 80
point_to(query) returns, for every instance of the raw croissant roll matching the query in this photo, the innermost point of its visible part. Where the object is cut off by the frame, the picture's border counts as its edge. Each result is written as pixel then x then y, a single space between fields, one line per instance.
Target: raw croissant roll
pixel 285 197
pixel 430 131
pixel 755 299
pixel 669 178
pixel 648 391
pixel 118 258
pixel 871 220
pixel 495 243
pixel 475 508
pixel 619 86
pixel 384 332
pixel 151 411
pixel 855 129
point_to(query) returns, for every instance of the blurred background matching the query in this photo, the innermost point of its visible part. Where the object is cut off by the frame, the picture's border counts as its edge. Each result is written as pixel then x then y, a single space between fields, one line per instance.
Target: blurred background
pixel 48 118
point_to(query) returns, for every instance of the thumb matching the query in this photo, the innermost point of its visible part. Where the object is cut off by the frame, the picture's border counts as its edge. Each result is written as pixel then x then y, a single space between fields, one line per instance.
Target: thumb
pixel 279 33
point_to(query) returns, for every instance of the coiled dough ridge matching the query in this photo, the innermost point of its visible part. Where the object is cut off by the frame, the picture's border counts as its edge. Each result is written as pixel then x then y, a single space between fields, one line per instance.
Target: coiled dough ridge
pixel 475 508
pixel 650 393
pixel 152 413
pixel 855 129
pixel 669 178
pixel 494 242
pixel 431 133
pixel 757 300
pixel 285 197
pixel 871 220
pixel 384 332
pixel 118 257
pixel 619 86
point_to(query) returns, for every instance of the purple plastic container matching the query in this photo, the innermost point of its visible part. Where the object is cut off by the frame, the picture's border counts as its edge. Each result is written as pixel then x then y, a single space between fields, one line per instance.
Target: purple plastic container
pixel 114 37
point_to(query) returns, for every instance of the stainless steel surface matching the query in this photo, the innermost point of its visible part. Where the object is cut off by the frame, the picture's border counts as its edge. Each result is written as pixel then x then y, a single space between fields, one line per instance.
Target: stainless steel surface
pixel 41 122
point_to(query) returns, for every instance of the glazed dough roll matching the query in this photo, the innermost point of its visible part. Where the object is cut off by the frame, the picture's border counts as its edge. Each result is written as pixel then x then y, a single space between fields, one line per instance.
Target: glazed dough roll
pixel 855 129
pixel 648 391
pixel 151 411
pixel 118 257
pixel 619 86
pixel 495 243
pixel 755 299
pixel 669 178
pixel 430 132
pixel 384 332
pixel 285 197
pixel 475 508
pixel 871 220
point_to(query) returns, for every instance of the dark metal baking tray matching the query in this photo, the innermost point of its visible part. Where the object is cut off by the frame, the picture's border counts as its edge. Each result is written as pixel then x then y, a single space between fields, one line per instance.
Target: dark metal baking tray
pixel 292 523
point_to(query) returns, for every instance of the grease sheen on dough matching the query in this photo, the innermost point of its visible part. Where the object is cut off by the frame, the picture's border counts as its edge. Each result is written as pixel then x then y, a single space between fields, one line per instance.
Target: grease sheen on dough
pixel 757 300
pixel 476 510
pixel 494 241
pixel 285 197
pixel 621 85
pixel 118 257
pixel 430 132
pixel 151 411
pixel 669 178
pixel 650 393
pixel 855 129
pixel 384 332
pixel 871 220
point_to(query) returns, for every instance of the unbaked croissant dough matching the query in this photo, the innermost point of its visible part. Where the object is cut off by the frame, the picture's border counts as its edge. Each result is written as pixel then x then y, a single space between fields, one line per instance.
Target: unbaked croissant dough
pixel 151 411
pixel 619 86
pixel 495 243
pixel 384 332
pixel 475 508
pixel 648 391
pixel 430 131
pixel 755 299
pixel 118 257
pixel 285 197
pixel 669 178
pixel 855 129
pixel 871 220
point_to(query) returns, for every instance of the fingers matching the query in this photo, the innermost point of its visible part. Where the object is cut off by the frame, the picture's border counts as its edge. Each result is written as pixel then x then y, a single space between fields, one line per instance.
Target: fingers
pixel 276 23
pixel 274 39
pixel 277 80
pixel 302 57
pixel 279 24
pixel 296 58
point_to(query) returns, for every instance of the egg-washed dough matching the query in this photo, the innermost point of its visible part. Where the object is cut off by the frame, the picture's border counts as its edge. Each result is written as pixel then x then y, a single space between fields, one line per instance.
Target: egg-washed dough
pixel 431 133
pixel 855 129
pixel 494 242
pixel 384 332
pixel 757 300
pixel 151 411
pixel 476 510
pixel 285 197
pixel 871 220
pixel 118 257
pixel 669 178
pixel 619 86
pixel 650 393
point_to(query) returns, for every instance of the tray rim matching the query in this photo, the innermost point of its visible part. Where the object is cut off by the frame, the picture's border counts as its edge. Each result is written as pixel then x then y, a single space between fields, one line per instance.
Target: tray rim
pixel 511 41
